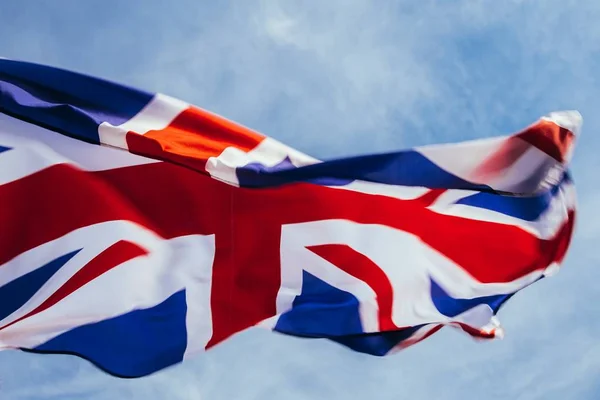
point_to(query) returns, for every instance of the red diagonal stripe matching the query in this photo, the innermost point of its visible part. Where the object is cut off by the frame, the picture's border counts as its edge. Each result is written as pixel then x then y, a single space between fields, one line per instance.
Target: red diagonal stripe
pixel 507 154
pixel 412 341
pixel 430 197
pixel 115 255
pixel 110 258
pixel 363 268
pixel 549 137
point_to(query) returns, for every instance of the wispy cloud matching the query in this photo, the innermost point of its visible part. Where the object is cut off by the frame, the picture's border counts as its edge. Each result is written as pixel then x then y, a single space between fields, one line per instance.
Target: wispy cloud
pixel 345 77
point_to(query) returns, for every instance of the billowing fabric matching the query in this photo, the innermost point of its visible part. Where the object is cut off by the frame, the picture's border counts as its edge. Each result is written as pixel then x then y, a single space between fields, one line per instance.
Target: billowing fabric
pixel 137 230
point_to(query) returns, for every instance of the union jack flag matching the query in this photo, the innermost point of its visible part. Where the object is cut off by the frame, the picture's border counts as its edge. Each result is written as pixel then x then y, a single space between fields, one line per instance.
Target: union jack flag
pixel 137 229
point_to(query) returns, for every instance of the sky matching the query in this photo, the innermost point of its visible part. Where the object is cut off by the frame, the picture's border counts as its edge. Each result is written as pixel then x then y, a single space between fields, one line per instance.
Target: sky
pixel 337 78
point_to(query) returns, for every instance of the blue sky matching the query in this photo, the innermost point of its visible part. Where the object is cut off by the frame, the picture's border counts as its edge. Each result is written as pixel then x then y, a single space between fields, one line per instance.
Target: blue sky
pixel 340 78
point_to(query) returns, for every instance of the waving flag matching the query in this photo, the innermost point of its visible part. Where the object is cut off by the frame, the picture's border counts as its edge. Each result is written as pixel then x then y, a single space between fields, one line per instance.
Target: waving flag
pixel 136 229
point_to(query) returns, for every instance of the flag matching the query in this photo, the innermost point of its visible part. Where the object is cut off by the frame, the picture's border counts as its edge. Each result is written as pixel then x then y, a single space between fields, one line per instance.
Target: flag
pixel 137 230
